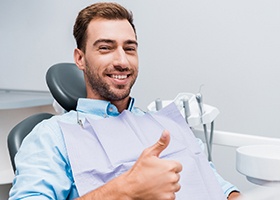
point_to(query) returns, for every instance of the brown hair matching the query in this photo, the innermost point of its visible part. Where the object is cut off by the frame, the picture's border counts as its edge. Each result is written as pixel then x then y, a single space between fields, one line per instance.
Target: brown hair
pixel 109 11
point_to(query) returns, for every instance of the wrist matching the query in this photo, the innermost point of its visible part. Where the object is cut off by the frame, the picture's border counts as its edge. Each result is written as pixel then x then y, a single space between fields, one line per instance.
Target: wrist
pixel 233 195
pixel 123 187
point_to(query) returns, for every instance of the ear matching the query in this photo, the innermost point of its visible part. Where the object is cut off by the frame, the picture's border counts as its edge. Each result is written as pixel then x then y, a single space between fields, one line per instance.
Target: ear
pixel 79 58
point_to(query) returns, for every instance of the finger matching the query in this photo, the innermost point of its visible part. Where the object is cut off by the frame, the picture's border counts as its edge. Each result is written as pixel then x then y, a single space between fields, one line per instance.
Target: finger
pixel 177 177
pixel 161 144
pixel 177 187
pixel 178 168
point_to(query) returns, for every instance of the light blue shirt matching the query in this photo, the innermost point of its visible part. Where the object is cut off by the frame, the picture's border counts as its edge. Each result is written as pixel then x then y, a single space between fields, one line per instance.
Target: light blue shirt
pixel 43 169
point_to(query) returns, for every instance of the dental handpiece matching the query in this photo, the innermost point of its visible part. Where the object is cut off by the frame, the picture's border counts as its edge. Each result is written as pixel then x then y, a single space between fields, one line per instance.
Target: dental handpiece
pixel 158 104
pixel 186 108
pixel 198 97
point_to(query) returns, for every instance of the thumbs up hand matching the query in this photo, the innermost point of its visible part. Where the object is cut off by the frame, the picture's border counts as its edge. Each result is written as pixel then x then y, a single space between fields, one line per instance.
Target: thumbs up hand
pixel 161 144
pixel 152 178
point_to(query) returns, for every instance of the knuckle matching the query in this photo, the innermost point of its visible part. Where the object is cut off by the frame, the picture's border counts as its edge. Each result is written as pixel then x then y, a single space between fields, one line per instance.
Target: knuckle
pixel 146 152
pixel 171 196
pixel 178 187
pixel 174 178
pixel 180 166
pixel 168 196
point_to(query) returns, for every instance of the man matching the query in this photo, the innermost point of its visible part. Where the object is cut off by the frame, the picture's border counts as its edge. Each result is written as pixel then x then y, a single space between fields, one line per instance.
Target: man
pixel 107 53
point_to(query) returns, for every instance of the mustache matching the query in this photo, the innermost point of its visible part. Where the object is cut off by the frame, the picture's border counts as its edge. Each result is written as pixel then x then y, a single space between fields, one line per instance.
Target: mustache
pixel 119 69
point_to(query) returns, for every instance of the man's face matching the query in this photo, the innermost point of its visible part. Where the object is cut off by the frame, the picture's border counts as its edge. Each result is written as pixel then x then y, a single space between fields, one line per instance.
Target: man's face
pixel 111 59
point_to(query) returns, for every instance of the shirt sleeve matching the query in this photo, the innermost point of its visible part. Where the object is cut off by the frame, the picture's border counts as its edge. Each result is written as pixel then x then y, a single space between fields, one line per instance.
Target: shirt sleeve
pixel 227 187
pixel 43 170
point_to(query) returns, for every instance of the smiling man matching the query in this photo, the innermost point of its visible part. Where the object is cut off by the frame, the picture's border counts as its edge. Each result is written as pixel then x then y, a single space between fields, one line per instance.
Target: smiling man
pixel 109 60
pixel 60 159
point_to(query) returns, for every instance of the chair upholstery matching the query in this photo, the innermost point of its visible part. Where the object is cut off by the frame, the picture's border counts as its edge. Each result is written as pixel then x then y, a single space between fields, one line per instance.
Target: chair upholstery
pixel 66 84
pixel 21 130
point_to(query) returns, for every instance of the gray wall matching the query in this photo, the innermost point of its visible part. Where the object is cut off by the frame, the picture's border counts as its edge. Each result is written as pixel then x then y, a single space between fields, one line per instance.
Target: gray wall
pixel 231 47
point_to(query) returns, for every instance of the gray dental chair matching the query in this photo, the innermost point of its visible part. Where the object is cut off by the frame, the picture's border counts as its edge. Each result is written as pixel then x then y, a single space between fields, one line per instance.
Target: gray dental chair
pixel 66 84
pixel 22 129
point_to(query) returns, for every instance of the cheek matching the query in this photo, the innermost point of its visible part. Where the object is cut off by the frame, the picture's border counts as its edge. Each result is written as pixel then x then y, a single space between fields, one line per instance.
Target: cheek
pixel 102 62
pixel 134 62
pixel 95 64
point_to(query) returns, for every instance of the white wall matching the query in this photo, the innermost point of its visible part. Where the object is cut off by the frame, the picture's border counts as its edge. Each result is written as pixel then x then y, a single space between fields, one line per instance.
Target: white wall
pixel 232 47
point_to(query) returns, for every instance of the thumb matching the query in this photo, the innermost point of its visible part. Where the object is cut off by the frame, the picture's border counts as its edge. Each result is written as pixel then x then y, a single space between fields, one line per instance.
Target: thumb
pixel 161 144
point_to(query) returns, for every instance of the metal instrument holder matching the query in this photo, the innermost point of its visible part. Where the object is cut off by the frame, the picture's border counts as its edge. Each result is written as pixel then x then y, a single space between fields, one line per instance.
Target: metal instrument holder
pixel 195 112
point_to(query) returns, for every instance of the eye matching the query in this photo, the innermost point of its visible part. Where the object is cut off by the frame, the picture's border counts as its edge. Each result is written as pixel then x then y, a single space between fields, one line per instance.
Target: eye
pixel 104 48
pixel 130 49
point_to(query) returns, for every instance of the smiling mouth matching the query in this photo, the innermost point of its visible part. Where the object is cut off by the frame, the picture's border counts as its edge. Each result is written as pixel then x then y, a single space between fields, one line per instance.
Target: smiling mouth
pixel 119 77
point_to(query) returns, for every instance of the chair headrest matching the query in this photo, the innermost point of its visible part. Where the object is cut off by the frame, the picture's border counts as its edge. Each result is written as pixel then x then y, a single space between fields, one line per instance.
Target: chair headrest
pixel 66 84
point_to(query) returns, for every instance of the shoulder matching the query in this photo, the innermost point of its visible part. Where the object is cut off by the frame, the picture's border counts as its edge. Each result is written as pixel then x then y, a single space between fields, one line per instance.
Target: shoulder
pixel 52 124
pixel 44 147
pixel 47 134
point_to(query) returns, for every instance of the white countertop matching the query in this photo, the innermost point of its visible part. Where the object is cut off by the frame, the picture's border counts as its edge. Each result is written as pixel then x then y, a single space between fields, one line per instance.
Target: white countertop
pixel 12 99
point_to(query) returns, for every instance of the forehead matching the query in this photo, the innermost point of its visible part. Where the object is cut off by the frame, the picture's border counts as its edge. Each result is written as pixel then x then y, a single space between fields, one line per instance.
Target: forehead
pixel 119 30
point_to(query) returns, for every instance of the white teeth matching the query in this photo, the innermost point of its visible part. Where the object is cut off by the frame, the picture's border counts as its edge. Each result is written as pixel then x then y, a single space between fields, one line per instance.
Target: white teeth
pixel 119 76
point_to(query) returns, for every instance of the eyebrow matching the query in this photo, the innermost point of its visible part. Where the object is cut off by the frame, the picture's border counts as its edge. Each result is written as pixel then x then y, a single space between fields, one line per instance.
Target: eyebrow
pixel 103 40
pixel 109 41
pixel 131 42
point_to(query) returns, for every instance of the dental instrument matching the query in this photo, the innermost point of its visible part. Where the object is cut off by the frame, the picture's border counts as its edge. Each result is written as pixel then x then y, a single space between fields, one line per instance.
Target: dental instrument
pixel 186 108
pixel 195 112
pixel 158 104
pixel 208 142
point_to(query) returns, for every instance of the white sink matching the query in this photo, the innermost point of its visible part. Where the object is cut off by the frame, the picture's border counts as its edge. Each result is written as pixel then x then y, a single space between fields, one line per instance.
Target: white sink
pixel 259 163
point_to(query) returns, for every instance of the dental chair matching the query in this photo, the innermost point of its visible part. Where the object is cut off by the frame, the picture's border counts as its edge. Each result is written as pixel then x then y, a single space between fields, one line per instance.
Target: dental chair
pixel 20 131
pixel 66 84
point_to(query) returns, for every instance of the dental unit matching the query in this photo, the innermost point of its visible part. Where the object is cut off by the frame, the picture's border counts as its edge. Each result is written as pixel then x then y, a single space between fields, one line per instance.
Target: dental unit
pixel 195 113
pixel 257 157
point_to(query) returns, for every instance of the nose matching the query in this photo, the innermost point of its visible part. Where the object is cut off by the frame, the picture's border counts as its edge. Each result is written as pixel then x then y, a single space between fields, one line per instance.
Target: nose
pixel 120 58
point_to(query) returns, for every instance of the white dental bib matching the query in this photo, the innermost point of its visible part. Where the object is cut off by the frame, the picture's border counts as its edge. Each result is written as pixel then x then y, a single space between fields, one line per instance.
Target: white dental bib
pixel 103 149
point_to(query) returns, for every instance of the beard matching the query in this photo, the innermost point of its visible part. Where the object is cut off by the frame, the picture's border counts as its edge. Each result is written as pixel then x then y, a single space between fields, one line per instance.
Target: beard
pixel 107 92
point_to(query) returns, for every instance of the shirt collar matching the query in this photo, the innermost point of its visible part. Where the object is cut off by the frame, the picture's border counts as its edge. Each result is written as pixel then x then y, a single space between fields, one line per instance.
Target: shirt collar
pixel 100 107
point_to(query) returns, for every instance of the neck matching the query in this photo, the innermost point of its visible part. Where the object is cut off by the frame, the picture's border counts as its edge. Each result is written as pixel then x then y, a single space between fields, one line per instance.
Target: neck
pixel 122 104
